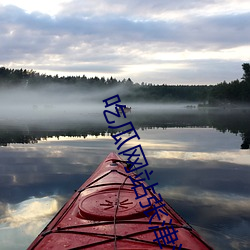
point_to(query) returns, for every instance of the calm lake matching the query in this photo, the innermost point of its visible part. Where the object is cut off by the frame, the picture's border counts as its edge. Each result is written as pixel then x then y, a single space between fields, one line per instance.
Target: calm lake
pixel 200 158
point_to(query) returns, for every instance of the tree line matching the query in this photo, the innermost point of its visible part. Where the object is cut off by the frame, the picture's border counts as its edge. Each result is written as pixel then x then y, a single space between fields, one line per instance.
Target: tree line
pixel 236 91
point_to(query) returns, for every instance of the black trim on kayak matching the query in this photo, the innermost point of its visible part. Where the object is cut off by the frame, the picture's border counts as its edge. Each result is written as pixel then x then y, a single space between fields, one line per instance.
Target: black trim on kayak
pixel 118 237
pixel 107 184
pixel 112 170
pixel 128 163
pixel 116 210
pixel 118 222
pixel 56 229
pixel 64 229
pixel 114 161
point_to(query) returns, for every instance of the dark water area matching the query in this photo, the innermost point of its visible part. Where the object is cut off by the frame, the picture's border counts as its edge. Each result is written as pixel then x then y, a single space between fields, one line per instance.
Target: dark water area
pixel 200 158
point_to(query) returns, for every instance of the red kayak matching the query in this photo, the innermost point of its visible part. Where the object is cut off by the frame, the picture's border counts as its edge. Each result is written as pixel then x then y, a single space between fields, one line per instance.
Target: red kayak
pixel 111 210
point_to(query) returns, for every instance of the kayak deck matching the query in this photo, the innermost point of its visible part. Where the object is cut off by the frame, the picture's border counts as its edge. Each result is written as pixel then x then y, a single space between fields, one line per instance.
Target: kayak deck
pixel 105 212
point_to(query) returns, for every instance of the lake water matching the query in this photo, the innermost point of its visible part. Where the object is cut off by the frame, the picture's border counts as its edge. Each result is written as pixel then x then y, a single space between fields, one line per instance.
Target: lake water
pixel 196 155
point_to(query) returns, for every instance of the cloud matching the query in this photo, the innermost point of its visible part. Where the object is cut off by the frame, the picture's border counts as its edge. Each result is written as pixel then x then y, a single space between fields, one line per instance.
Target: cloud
pixel 125 40
pixel 150 9
pixel 116 30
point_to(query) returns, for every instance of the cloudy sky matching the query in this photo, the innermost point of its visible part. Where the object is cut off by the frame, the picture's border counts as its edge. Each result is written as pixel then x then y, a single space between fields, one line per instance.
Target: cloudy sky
pixel 157 41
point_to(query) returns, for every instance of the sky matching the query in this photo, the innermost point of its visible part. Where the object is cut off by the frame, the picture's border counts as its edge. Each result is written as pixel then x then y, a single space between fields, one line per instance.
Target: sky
pixel 159 41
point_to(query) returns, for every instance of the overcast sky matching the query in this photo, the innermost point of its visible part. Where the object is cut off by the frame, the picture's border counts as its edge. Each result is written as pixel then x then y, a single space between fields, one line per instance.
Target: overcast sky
pixel 157 41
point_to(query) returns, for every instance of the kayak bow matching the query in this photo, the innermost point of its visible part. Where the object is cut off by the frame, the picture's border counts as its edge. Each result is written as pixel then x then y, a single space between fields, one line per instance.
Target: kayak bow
pixel 105 214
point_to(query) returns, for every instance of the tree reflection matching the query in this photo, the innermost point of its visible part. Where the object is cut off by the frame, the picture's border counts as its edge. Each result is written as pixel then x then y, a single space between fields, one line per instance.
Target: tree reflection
pixel 231 121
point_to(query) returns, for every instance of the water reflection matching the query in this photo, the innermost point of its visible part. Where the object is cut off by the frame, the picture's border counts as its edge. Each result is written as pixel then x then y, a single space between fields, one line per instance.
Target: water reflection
pixel 233 121
pixel 20 222
pixel 201 172
pixel 29 210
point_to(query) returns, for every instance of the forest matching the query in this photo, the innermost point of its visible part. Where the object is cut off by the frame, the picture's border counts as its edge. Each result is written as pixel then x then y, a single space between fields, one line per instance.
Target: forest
pixel 224 93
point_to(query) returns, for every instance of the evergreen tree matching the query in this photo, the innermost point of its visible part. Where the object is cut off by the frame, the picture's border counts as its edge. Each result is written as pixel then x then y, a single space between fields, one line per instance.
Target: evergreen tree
pixel 246 69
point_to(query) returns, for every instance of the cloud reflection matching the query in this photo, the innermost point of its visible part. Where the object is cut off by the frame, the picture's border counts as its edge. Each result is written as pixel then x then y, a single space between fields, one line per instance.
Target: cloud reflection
pixel 228 203
pixel 223 156
pixel 22 222
pixel 29 212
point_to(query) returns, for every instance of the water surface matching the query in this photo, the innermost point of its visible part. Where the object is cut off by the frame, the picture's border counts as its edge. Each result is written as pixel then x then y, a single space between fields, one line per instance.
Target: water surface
pixel 196 155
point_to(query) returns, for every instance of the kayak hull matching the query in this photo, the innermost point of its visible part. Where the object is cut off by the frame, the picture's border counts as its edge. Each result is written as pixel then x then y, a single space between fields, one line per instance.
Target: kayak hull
pixel 105 212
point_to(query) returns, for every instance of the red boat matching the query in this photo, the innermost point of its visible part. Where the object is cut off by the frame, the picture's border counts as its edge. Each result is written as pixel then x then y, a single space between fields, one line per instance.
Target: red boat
pixel 106 213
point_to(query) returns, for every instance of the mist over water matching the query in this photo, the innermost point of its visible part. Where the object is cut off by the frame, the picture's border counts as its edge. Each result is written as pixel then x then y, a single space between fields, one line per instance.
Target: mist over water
pixel 57 109
pixel 60 102
pixel 55 102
